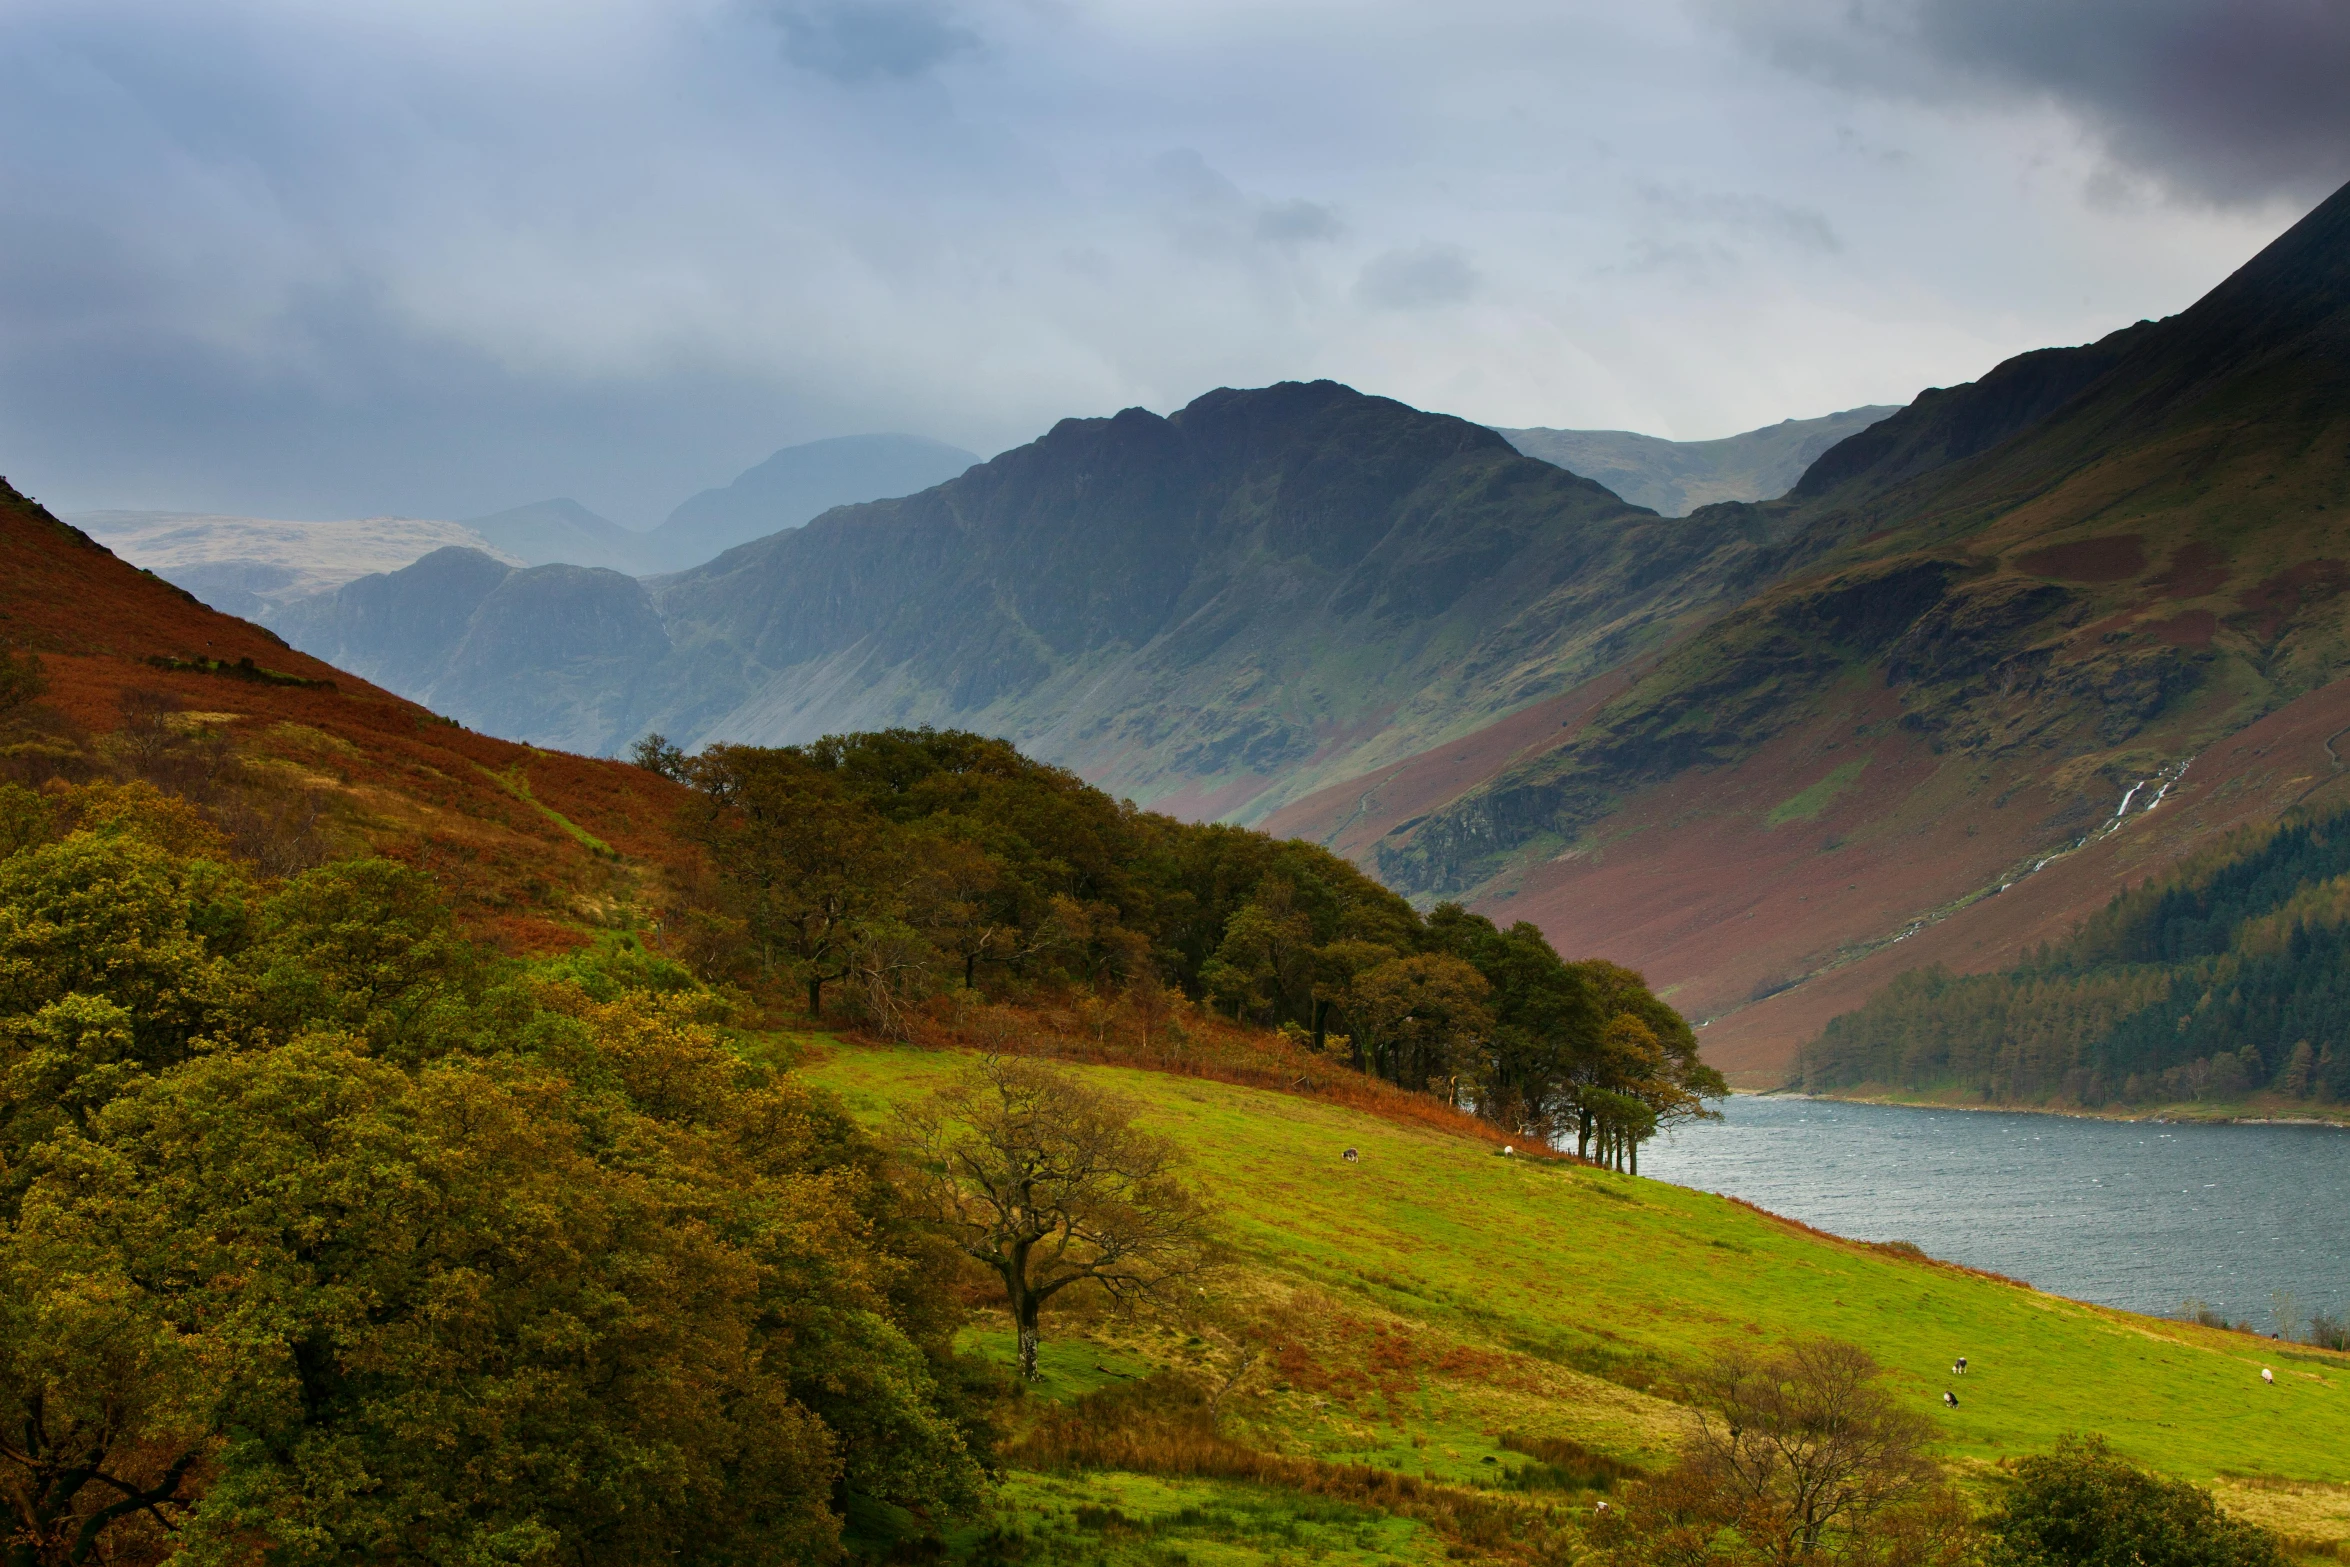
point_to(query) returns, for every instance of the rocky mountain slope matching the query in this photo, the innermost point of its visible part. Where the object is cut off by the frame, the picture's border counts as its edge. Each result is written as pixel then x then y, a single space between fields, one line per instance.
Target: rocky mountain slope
pixel 1674 478
pixel 2010 620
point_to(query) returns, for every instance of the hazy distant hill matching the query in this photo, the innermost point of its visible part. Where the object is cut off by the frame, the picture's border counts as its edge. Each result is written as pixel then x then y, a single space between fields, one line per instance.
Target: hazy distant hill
pixel 258 567
pixel 546 653
pixel 547 532
pixel 249 566
pixel 1674 478
pixel 797 484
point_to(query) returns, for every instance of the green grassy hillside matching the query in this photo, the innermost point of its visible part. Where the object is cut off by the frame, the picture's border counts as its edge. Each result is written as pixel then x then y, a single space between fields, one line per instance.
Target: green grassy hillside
pixel 1435 1296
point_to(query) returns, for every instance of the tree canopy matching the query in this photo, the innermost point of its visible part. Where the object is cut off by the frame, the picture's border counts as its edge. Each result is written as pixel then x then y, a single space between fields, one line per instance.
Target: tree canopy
pixel 869 871
pixel 320 1226
pixel 2084 1505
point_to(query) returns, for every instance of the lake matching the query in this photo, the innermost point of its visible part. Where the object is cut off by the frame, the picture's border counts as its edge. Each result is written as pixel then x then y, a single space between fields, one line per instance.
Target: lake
pixel 2125 1213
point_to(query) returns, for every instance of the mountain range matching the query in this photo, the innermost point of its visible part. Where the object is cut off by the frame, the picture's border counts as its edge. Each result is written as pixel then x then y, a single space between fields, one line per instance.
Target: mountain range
pixel 1993 654
pixel 256 567
pixel 1215 610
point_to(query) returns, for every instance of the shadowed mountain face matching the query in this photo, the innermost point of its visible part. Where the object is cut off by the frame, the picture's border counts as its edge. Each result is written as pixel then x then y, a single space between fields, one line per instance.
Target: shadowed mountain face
pixel 1674 478
pixel 1268 588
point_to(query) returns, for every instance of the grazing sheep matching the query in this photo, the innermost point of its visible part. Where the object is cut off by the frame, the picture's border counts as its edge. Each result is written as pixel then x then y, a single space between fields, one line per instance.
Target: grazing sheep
pixel 1350 1156
pixel 2268 1376
pixel 1950 1398
pixel 1962 1365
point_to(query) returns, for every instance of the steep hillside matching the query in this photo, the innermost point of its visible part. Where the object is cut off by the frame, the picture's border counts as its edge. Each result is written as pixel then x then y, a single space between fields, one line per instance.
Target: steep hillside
pixel 2209 991
pixel 535 848
pixel 1674 478
pixel 1435 1297
pixel 2012 614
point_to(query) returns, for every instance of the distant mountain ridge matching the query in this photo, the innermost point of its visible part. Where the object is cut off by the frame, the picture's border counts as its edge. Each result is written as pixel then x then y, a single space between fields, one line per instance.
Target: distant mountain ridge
pixel 546 532
pixel 797 485
pixel 259 568
pixel 1675 478
pixel 251 566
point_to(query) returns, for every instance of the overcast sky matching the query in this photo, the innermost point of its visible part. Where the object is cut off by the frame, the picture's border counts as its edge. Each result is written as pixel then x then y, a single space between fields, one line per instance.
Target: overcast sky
pixel 438 257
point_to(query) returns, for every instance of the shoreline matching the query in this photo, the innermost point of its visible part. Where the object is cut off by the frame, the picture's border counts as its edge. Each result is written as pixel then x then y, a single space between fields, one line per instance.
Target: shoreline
pixel 2163 1115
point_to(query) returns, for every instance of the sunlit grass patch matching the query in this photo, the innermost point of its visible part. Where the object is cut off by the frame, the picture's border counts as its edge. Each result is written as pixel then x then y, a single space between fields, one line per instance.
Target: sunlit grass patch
pixel 1809 803
pixel 1127 1520
pixel 1431 1290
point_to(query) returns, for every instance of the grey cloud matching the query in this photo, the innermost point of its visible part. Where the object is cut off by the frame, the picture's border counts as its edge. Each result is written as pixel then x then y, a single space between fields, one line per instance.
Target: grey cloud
pixel 1214 214
pixel 1759 216
pixel 1297 222
pixel 862 40
pixel 2225 101
pixel 440 257
pixel 1421 278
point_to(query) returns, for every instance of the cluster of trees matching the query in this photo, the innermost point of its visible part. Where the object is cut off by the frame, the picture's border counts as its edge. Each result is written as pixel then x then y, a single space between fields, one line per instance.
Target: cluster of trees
pixel 871 871
pixel 1804 1457
pixel 2224 979
pixel 326 1235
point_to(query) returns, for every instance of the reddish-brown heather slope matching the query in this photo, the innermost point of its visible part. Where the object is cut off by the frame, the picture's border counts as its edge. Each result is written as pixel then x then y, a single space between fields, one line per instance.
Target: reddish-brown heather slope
pixel 1980 648
pixel 401 780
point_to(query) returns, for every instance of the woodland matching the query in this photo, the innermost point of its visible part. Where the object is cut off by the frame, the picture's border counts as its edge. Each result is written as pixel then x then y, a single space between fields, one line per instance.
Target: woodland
pixel 2221 979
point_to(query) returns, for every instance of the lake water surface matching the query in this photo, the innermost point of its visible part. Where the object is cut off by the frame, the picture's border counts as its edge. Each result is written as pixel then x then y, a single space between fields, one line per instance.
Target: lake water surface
pixel 2125 1213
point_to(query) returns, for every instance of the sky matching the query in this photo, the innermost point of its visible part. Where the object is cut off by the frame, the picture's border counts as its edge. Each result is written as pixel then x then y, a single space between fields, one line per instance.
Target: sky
pixel 440 257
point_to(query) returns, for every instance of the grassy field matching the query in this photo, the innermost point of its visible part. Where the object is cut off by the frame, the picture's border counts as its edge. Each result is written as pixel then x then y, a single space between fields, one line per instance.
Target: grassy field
pixel 1427 1301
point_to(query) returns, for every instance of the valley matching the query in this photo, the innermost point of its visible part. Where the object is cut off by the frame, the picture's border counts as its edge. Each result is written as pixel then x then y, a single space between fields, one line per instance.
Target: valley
pixel 1771 753
pixel 911 783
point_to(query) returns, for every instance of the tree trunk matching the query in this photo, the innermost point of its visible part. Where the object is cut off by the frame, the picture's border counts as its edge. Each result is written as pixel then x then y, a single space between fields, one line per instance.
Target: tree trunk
pixel 1024 1314
pixel 815 998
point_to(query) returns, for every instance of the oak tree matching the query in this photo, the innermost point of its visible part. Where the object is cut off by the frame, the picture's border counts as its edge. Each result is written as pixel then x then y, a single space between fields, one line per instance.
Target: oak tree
pixel 1051 1185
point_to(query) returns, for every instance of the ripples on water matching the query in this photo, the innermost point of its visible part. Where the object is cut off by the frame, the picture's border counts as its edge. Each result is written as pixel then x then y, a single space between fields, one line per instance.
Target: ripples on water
pixel 2126 1213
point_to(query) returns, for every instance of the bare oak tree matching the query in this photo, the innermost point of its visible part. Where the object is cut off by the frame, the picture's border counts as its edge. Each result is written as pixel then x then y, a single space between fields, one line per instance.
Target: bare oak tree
pixel 1801 1456
pixel 1050 1184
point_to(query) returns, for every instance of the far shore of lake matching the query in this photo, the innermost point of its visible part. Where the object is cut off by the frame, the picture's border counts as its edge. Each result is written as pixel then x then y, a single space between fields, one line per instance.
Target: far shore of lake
pixel 2240 1113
